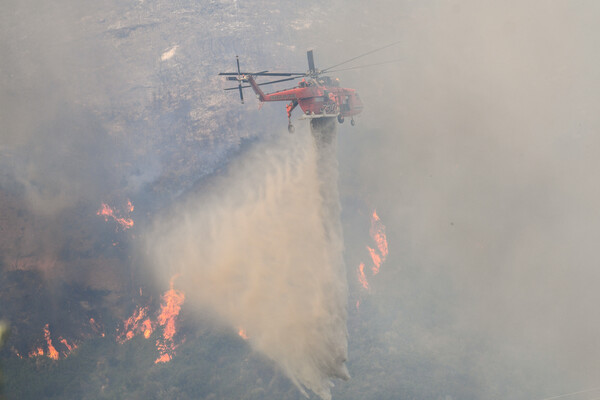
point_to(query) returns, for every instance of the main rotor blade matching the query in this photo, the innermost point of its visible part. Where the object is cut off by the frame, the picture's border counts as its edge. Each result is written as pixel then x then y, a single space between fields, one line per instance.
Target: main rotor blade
pixel 362 55
pixel 264 83
pixel 366 66
pixel 263 73
pixel 237 59
pixel 279 74
pixel 280 80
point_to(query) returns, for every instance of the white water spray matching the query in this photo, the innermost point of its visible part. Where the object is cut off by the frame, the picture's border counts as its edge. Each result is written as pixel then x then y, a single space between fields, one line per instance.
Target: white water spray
pixel 261 250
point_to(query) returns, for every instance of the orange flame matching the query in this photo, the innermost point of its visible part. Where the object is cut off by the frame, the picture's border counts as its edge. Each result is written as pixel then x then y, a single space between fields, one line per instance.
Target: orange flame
pixel 106 212
pixel 172 300
pixel 70 347
pixel 242 333
pixel 52 353
pixel 134 325
pixel 362 277
pixel 37 352
pixel 96 327
pixel 170 307
pixel 378 254
pixel 377 232
pixel 148 329
pixel 139 322
pixel 376 260
pixel 164 357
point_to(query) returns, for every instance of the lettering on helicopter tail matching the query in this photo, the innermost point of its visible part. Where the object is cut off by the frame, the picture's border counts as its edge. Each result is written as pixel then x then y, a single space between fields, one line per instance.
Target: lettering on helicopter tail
pixel 329 108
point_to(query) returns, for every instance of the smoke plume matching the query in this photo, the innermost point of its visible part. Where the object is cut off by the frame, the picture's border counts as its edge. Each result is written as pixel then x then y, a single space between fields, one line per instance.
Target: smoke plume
pixel 260 249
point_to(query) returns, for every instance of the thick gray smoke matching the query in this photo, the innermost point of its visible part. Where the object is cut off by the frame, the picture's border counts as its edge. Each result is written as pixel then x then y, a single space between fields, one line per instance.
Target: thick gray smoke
pixel 480 150
pixel 261 250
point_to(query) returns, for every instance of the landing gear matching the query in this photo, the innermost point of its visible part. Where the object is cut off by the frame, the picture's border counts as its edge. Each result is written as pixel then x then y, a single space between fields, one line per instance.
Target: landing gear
pixel 291 128
pixel 340 118
pixel 352 122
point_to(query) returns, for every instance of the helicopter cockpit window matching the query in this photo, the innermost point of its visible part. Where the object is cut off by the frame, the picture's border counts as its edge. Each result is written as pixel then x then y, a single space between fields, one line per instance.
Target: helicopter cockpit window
pixel 346 103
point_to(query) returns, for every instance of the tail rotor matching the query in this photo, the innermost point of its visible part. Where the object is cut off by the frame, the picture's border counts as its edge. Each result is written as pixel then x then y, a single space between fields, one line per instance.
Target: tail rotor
pixel 243 77
pixel 237 76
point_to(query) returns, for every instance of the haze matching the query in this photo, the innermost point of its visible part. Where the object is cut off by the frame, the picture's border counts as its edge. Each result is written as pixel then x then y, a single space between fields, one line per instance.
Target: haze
pixel 479 151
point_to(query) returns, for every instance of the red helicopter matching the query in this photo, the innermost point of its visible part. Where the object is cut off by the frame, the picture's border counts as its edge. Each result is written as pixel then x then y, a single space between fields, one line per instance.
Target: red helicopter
pixel 319 96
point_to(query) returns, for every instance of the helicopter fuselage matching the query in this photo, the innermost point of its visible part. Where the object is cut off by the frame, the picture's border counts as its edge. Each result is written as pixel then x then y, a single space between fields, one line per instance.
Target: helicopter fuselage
pixel 318 95
pixel 321 97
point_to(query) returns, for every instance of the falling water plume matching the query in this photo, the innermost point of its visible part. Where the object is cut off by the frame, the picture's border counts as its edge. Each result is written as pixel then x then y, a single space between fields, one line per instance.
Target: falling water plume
pixel 260 247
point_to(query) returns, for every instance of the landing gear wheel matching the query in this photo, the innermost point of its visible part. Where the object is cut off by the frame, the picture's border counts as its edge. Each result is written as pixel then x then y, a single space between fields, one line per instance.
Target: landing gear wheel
pixel 340 118
pixel 352 122
pixel 291 128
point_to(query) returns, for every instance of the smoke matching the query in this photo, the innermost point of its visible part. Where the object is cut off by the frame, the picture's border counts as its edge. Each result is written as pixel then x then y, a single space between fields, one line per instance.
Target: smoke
pixel 260 249
pixel 58 160
pixel 480 151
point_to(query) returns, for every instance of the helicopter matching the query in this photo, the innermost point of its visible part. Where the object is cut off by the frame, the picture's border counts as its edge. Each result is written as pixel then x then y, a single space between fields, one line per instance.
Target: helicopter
pixel 318 95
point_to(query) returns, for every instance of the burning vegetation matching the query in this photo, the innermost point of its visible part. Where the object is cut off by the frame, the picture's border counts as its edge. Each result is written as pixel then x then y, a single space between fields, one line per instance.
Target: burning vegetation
pixel 362 278
pixel 378 252
pixel 377 232
pixel 123 222
pixel 242 333
pixel 140 322
pixel 137 323
pixel 169 310
pixel 51 351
